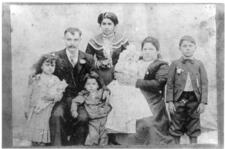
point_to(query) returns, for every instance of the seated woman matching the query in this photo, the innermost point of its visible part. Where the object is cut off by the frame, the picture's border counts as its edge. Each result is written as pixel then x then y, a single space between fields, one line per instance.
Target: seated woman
pixel 152 86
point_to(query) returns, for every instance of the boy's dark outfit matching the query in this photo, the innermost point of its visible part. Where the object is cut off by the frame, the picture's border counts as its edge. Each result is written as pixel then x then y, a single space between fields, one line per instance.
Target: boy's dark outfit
pixel 187 87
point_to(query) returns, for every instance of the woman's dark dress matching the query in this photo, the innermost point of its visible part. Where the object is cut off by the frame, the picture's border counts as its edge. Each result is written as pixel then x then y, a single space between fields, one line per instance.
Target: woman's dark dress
pixel 96 46
pixel 152 86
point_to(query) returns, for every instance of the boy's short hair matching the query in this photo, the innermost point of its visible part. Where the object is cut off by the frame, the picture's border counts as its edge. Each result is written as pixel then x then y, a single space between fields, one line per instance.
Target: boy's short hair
pixel 72 30
pixel 187 38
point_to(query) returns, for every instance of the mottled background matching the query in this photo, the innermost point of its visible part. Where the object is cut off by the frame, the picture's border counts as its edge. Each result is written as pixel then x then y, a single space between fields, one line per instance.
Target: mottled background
pixel 38 28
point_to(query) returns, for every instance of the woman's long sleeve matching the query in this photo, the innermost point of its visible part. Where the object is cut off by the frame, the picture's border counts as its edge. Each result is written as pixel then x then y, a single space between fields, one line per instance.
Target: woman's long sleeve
pixel 90 49
pixel 157 83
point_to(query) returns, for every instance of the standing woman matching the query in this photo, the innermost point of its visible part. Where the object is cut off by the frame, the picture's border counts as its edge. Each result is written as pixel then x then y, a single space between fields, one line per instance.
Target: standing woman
pixel 107 46
pixel 152 87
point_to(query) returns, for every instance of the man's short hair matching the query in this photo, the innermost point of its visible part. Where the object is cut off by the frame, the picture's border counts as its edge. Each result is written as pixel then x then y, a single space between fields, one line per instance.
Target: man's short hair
pixel 72 30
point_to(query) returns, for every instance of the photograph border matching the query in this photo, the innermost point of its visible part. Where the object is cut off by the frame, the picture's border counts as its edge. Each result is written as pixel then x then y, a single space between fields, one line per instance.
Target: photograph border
pixel 7 137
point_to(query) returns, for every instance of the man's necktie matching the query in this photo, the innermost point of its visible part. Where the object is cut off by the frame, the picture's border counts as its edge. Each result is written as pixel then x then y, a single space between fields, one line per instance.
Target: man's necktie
pixel 72 60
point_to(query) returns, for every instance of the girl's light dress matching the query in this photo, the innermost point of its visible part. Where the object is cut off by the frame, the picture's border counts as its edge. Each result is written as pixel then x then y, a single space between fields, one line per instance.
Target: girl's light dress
pixel 47 91
pixel 128 102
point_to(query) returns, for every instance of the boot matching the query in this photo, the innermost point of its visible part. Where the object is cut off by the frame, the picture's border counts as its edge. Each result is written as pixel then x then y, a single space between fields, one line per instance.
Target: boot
pixel 193 140
pixel 177 139
pixel 112 139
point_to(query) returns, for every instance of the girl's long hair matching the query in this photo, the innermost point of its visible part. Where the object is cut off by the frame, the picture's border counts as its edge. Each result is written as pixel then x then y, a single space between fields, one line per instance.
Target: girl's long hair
pixel 50 58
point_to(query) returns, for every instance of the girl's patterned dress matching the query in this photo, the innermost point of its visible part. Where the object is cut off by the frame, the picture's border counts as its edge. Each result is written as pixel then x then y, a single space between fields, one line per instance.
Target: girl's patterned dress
pixel 45 91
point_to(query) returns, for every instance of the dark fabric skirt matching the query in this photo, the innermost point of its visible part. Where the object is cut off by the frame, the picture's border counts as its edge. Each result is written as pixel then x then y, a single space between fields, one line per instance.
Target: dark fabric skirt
pixel 107 75
pixel 157 126
pixel 148 133
pixel 152 130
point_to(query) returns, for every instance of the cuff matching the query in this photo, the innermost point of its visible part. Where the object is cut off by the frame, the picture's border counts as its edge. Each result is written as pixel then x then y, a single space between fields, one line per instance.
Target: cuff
pixel 105 88
pixel 205 103
pixel 138 83
pixel 168 101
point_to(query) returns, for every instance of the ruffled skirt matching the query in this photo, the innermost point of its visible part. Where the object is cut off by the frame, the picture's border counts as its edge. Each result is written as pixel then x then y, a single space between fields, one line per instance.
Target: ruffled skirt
pixel 37 126
pixel 128 105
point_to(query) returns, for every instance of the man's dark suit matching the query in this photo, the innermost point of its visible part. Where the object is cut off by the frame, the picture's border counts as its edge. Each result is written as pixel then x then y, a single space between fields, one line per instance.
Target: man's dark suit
pixel 65 130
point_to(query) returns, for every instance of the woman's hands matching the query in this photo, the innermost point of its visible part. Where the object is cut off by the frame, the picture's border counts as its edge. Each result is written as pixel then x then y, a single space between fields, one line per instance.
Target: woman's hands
pixel 104 64
pixel 106 95
pixel 40 106
pixel 125 78
pixel 171 107
pixel 74 113
pixel 73 110
pixel 201 108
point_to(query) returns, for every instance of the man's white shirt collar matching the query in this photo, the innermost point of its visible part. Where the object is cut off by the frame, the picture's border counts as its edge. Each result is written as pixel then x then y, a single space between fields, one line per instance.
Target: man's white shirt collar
pixel 75 57
pixel 191 58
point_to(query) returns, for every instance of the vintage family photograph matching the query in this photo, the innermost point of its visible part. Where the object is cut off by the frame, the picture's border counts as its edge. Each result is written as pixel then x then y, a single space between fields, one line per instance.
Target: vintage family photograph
pixel 113 75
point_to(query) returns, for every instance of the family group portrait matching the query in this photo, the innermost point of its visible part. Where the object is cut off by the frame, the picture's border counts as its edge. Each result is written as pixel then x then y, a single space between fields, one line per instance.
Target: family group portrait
pixel 114 75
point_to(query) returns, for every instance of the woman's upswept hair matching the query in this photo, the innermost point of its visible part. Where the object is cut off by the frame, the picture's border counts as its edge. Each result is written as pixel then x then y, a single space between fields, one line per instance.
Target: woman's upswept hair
pixel 109 15
pixel 154 41
pixel 50 58
pixel 93 75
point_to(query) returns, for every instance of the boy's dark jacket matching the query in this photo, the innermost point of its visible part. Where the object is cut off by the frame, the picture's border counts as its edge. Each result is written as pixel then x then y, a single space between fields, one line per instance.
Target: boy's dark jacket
pixel 177 79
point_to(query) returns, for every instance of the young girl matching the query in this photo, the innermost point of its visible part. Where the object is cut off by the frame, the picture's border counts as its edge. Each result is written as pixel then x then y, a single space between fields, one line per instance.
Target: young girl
pixel 44 90
pixel 97 109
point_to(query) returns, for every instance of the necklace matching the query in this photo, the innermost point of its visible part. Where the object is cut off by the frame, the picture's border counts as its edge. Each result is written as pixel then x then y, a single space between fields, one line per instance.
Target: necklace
pixel 109 36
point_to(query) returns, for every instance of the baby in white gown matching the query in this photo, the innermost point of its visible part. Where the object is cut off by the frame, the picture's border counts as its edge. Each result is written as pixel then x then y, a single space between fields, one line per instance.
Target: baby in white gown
pixel 127 101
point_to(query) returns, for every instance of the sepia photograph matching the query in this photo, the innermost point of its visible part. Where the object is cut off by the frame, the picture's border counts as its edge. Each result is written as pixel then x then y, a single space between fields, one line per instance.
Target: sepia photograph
pixel 113 75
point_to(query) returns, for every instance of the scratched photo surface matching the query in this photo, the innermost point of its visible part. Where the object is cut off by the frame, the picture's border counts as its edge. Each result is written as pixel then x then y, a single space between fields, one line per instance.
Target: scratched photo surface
pixel 37 29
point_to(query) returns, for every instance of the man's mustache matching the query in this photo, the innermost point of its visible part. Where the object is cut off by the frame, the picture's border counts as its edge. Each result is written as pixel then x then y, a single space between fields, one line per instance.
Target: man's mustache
pixel 72 46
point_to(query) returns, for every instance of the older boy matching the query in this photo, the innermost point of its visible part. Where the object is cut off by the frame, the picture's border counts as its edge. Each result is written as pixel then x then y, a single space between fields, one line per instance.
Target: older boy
pixel 187 91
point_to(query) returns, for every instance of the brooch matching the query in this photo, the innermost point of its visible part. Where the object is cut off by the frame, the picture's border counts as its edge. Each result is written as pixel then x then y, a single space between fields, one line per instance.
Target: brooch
pixel 82 61
pixel 179 70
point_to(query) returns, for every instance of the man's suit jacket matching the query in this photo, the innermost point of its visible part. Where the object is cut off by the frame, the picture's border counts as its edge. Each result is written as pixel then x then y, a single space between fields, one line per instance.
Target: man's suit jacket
pixel 74 76
pixel 177 79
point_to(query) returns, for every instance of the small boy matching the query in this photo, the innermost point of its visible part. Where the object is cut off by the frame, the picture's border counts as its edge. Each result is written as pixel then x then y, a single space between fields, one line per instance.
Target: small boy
pixel 187 92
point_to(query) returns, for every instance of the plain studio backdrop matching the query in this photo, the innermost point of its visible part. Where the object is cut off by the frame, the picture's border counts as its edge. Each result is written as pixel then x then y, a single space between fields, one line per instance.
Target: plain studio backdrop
pixel 37 29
